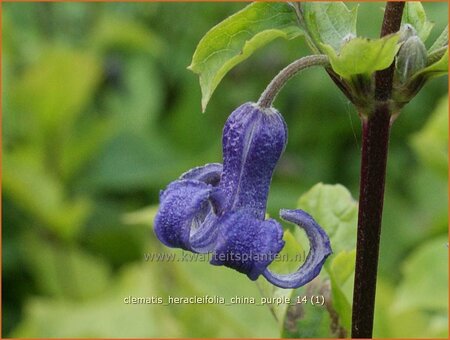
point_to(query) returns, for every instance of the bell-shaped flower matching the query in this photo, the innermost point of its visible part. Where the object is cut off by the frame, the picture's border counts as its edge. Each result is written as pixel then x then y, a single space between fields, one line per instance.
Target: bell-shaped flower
pixel 221 209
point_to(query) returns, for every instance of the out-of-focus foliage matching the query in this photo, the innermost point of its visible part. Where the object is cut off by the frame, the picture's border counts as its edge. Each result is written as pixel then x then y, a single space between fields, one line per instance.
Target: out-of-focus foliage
pixel 100 113
pixel 431 143
pixel 406 311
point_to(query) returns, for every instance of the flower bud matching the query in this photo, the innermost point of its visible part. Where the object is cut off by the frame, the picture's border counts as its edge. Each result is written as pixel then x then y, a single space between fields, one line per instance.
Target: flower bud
pixel 411 58
pixel 407 31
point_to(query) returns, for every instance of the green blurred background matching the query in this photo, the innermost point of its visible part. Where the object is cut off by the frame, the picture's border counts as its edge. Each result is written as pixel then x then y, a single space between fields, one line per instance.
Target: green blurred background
pixel 100 113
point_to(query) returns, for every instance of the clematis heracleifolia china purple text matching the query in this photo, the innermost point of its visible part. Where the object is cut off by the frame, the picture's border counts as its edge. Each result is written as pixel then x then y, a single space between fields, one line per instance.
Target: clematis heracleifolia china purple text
pixel 221 209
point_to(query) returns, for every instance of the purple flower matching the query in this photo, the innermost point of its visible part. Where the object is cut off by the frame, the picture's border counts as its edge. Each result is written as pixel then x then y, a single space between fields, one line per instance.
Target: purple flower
pixel 221 209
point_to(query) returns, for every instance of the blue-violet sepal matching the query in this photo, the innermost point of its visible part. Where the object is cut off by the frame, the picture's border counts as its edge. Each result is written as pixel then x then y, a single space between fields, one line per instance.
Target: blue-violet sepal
pixel 221 209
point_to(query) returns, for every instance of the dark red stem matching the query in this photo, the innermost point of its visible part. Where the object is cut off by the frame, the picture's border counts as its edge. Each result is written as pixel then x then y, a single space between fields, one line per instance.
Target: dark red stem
pixel 375 140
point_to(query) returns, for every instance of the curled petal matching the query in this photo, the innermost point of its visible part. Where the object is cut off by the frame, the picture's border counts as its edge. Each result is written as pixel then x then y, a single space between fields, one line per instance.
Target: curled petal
pixel 209 173
pixel 319 250
pixel 184 211
pixel 246 243
pixel 253 141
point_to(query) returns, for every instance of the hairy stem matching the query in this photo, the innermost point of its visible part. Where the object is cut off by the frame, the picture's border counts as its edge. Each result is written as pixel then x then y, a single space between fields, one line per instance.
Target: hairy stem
pixel 277 83
pixel 375 139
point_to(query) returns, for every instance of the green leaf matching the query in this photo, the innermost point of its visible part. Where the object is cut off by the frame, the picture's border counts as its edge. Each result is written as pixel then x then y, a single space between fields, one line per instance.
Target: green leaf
pixel 425 278
pixel 415 15
pixel 236 38
pixel 440 42
pixel 343 266
pixel 329 23
pixel 341 305
pixel 436 55
pixel 363 56
pixel 431 143
pixel 341 273
pixel 333 207
pixel 439 68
